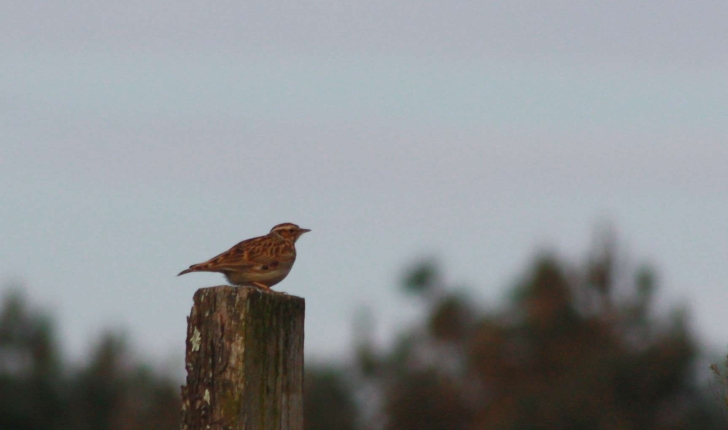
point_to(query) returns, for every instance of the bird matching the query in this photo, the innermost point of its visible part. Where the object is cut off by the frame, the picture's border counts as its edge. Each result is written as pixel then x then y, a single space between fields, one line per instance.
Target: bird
pixel 258 262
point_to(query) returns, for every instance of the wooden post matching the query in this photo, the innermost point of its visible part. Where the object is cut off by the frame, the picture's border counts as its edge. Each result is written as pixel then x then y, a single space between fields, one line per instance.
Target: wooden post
pixel 244 361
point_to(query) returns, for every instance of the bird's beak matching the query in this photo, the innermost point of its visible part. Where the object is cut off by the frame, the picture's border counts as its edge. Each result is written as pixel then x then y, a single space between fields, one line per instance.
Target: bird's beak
pixel 304 230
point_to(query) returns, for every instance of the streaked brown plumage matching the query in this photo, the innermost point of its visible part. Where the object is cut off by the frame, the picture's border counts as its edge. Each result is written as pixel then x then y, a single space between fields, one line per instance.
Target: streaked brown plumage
pixel 260 262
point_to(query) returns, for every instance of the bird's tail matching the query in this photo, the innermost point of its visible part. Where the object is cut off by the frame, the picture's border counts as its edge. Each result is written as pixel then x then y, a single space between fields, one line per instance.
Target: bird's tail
pixel 194 268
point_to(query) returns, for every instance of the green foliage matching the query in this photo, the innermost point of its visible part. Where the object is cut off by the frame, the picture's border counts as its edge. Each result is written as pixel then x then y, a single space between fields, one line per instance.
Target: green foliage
pixel 328 401
pixel 578 348
pixel 449 319
pixel 31 389
pixel 422 278
pixel 720 386
pixel 40 392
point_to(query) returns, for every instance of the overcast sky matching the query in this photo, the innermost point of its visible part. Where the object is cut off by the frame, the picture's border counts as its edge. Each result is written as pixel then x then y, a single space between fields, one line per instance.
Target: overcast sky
pixel 139 137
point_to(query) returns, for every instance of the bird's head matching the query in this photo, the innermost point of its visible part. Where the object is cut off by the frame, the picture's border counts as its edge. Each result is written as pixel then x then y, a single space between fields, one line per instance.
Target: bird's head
pixel 289 231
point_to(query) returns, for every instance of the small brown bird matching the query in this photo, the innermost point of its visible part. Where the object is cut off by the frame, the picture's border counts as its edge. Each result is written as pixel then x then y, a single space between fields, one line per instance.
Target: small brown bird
pixel 260 262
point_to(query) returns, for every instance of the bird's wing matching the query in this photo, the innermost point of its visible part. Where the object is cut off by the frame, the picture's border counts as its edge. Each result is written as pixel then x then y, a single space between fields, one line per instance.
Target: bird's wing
pixel 250 253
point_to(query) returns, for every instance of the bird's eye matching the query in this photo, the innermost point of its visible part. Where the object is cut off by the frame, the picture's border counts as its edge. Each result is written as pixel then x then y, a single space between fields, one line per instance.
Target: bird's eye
pixel 290 230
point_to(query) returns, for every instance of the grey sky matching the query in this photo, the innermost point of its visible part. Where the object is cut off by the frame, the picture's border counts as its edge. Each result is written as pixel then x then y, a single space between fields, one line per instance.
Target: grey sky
pixel 140 137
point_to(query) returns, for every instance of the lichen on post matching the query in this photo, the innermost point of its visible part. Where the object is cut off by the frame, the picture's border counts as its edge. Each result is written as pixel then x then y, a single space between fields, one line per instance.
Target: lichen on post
pixel 244 361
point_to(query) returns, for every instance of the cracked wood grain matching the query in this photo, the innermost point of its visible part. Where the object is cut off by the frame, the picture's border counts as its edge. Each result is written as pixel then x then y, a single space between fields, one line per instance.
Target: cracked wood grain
pixel 244 361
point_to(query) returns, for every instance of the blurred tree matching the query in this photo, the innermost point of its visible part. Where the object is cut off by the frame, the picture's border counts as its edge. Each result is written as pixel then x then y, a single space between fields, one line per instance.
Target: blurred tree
pixel 30 370
pixel 423 278
pixel 719 387
pixel 114 393
pixel 98 389
pixel 328 402
pixel 578 348
pixel 39 392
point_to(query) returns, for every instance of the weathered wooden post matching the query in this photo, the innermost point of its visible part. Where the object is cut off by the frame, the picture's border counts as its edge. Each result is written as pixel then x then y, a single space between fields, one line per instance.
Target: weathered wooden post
pixel 244 361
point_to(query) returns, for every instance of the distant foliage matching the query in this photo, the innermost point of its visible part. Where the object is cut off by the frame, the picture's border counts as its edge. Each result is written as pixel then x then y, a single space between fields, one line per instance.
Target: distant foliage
pixel 422 278
pixel 38 391
pixel 579 347
pixel 329 403
pixel 720 386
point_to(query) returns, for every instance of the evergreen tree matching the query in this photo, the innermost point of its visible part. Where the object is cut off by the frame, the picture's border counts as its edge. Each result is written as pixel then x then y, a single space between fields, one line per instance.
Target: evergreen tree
pixel 579 347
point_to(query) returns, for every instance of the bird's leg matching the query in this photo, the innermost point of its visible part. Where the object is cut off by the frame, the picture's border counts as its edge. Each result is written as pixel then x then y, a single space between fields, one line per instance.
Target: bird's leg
pixel 261 285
